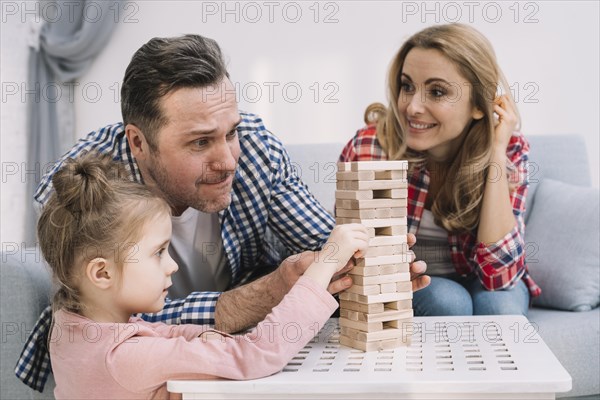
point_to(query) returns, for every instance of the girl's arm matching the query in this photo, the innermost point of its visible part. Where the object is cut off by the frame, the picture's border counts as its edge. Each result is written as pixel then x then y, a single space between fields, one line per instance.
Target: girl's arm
pixel 262 352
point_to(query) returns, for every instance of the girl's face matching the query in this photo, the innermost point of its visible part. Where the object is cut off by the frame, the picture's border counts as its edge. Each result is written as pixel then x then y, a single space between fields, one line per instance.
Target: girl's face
pixel 434 103
pixel 147 269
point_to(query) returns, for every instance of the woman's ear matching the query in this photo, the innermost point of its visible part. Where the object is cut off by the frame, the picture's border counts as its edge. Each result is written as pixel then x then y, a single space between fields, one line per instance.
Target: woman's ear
pixel 477 113
pixel 101 273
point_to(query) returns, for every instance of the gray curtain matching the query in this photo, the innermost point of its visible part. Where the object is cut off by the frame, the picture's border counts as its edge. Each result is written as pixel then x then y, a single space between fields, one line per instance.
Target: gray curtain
pixel 74 32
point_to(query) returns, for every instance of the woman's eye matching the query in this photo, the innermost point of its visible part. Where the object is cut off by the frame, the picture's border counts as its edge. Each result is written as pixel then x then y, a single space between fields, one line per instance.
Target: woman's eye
pixel 406 87
pixel 437 92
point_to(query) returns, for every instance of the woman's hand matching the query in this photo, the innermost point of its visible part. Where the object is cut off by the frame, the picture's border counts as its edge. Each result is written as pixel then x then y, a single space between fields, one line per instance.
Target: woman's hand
pixel 507 121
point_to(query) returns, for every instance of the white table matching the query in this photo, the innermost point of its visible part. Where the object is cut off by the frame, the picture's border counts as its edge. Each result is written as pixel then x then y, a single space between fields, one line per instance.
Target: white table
pixel 478 357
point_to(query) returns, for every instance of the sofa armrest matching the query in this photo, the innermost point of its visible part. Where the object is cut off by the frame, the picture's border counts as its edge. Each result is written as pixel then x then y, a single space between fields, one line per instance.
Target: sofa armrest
pixel 25 292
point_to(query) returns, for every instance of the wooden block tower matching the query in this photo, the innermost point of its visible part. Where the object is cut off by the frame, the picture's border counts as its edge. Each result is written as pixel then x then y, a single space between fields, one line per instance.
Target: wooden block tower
pixel 373 312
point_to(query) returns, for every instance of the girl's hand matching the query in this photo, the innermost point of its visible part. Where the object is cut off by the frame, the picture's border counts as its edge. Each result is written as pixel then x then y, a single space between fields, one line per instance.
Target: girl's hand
pixel 345 241
pixel 507 121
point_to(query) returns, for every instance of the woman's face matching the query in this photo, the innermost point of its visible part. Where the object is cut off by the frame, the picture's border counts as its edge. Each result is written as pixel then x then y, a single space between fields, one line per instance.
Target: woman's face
pixel 434 103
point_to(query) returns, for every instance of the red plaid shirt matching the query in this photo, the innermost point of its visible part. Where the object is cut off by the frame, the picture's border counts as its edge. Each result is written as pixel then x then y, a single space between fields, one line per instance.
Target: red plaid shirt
pixel 499 265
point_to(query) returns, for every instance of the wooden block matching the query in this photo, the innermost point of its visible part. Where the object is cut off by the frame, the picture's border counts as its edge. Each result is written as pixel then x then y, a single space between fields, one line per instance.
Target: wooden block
pixel 353 195
pixel 360 214
pixel 376 298
pixel 371 336
pixel 388 315
pixel 397 212
pixel 398 305
pixel 365 271
pixel 383 260
pixel 378 165
pixel 390 194
pixel 350 314
pixel 387 288
pixel 376 185
pixel 356 176
pixel 384 316
pixel 396 174
pixel 403 286
pixel 382 213
pixel 361 325
pixel 378 223
pixel 370 213
pixel 351 204
pixel 364 290
pixel 343 166
pixel 391 230
pixel 373 346
pixel 387 240
pixel 363 308
pixel 377 251
pixel 379 279
pixel 394 268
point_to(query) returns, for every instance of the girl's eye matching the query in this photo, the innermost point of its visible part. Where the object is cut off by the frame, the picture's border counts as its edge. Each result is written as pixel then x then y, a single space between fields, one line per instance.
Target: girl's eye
pixel 160 252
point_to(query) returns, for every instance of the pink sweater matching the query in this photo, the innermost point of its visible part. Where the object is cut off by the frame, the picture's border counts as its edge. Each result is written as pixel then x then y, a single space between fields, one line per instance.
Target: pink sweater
pixel 134 360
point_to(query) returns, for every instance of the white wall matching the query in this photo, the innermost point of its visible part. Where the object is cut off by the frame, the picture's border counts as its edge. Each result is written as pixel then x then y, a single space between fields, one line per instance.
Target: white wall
pixel 338 58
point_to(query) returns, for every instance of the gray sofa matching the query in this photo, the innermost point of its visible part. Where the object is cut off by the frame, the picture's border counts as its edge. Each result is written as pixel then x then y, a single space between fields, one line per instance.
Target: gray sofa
pixel 574 337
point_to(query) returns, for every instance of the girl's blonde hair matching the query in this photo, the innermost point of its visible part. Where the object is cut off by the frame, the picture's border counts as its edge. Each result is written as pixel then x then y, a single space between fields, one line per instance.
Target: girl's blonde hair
pixel 458 203
pixel 94 211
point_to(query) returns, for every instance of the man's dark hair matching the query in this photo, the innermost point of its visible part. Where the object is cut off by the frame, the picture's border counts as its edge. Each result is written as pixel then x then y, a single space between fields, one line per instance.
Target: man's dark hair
pixel 161 66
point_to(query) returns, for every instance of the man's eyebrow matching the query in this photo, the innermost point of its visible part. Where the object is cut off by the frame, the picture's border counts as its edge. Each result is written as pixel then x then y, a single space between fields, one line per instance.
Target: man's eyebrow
pixel 198 132
pixel 237 124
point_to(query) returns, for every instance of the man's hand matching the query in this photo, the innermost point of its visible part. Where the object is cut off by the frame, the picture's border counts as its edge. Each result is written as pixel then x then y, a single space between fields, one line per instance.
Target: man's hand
pixel 417 268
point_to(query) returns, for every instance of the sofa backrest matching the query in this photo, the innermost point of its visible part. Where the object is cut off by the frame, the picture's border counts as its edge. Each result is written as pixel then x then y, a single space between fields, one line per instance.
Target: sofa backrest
pixel 559 157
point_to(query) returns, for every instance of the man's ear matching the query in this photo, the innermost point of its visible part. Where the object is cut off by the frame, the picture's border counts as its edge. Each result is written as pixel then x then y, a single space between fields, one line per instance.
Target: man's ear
pixel 137 142
pixel 101 272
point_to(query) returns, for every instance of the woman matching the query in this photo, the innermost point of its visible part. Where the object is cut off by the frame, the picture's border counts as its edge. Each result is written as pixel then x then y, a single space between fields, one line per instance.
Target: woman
pixel 467 178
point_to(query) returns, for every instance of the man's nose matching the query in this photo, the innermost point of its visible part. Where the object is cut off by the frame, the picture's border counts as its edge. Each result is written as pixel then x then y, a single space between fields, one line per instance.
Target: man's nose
pixel 223 158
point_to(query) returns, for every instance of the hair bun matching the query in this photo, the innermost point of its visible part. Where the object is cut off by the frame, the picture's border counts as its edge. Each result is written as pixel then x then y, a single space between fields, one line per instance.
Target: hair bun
pixel 83 184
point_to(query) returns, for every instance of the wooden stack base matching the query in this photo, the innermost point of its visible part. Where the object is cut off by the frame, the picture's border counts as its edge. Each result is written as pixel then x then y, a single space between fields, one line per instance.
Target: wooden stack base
pixel 376 312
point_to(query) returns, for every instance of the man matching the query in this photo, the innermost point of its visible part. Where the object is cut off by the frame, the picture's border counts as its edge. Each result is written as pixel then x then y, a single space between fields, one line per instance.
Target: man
pixel 228 180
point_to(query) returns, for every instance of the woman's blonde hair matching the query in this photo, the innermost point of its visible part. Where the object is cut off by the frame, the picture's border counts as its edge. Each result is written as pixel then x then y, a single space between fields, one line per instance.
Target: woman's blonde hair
pixel 94 211
pixel 458 203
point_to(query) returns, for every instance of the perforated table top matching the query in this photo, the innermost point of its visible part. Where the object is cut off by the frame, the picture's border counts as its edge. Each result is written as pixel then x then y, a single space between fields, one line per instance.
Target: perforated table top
pixel 472 357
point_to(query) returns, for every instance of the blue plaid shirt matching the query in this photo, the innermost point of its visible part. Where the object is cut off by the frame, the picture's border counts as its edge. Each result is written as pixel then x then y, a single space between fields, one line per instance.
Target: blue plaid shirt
pixel 266 193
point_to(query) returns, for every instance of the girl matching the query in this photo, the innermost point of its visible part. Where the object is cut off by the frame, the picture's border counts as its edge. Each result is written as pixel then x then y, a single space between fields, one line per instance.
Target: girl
pixel 467 183
pixel 106 240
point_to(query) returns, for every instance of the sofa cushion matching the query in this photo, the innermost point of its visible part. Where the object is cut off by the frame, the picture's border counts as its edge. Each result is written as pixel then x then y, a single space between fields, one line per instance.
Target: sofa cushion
pixel 562 239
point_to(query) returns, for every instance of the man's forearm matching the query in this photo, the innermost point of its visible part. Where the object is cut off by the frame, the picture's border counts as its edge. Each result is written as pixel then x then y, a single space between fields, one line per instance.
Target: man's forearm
pixel 247 305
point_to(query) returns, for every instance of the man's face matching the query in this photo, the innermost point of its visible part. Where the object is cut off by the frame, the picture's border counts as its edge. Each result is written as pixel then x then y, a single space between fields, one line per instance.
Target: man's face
pixel 198 148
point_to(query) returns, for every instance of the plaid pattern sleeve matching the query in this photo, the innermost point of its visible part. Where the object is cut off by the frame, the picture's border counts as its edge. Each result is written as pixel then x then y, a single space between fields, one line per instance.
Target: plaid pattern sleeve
pixel 296 217
pixel 33 366
pixel 197 308
pixel 364 146
pixel 502 264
